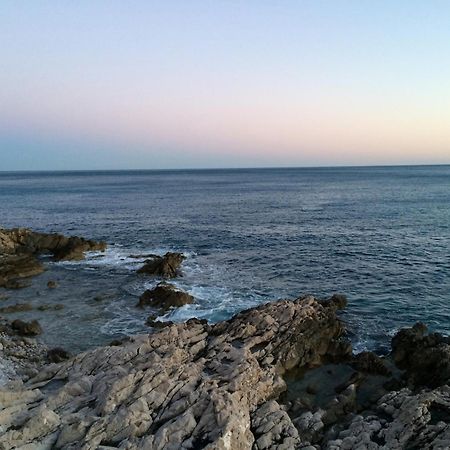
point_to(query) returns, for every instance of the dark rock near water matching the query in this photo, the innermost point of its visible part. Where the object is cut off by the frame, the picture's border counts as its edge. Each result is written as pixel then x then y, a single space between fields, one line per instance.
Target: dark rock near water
pixel 24 241
pixel 152 321
pixel 19 248
pixel 167 266
pixel 338 301
pixel 57 355
pixel 369 362
pixel 425 356
pixel 14 267
pixel 164 296
pixel 51 284
pixel 26 328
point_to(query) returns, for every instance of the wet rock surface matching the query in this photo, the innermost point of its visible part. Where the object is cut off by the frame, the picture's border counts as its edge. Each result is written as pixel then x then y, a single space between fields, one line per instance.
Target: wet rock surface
pixel 165 296
pixel 167 266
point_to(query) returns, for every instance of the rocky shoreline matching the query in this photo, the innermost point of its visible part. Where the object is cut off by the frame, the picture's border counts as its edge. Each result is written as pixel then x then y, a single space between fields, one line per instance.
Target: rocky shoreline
pixel 278 376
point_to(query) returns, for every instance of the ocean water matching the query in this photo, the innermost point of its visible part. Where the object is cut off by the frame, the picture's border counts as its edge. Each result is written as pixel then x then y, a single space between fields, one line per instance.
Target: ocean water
pixel 380 235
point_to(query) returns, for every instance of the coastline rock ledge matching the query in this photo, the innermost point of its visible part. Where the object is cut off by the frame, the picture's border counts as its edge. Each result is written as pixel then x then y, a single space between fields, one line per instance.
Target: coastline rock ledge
pixel 226 387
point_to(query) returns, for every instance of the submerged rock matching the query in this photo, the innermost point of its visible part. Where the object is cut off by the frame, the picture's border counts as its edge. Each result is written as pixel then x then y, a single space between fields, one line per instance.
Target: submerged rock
pixel 14 267
pixel 50 307
pixel 167 266
pixel 51 284
pixel 18 307
pixel 165 296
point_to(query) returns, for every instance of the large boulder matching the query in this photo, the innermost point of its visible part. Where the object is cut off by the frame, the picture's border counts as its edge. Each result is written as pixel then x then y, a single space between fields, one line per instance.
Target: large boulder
pixel 424 356
pixel 167 266
pixel 165 296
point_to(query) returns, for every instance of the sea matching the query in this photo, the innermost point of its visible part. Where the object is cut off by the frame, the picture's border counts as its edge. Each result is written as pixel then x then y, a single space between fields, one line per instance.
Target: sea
pixel 379 235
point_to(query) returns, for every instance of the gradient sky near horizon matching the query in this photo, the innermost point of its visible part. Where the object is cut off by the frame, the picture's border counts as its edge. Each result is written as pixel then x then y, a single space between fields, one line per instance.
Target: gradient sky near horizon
pixel 174 84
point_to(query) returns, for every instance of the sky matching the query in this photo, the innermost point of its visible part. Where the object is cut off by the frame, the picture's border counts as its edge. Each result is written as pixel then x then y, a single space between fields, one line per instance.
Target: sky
pixel 196 84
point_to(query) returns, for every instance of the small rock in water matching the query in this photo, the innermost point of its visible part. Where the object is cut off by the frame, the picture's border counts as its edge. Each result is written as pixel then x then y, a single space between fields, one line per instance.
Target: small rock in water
pixel 26 328
pixel 167 266
pixel 48 307
pixel 164 296
pixel 104 296
pixel 52 284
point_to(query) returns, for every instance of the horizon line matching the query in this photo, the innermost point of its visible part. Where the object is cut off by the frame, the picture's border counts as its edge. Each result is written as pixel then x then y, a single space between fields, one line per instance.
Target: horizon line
pixel 197 169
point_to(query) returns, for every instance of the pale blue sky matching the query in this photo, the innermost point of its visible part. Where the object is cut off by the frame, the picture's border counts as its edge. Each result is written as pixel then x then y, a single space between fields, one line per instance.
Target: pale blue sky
pixel 111 84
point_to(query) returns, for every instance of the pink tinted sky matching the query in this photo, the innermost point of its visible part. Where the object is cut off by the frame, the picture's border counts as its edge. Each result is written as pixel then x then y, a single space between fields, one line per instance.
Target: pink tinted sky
pixel 223 84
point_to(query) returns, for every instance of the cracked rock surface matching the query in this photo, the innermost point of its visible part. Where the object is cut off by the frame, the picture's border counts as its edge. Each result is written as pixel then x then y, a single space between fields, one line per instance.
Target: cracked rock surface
pixel 189 385
pixel 278 376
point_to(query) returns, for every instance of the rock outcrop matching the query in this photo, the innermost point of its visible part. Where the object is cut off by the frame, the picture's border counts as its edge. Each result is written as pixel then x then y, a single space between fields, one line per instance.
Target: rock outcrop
pixel 167 266
pixel 19 248
pixel 18 241
pixel 164 296
pixel 274 377
pixel 189 385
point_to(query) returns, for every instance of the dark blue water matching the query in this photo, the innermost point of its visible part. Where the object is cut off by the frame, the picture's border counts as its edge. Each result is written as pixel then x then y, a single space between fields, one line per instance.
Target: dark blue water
pixel 380 235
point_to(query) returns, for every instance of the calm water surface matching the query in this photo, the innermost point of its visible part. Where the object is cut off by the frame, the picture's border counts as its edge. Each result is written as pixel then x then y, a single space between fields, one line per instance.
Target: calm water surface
pixel 380 235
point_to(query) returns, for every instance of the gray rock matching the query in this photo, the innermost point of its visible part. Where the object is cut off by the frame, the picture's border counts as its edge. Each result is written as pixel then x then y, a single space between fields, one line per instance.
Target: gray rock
pixel 189 385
